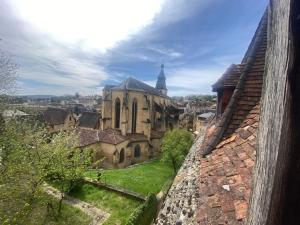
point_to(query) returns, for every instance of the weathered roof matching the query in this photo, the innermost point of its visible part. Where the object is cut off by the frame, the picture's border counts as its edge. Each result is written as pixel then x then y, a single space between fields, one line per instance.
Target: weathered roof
pixel 89 120
pixel 230 78
pixel 226 176
pixel 226 170
pixel 161 80
pixel 109 136
pixel 136 85
pixel 55 116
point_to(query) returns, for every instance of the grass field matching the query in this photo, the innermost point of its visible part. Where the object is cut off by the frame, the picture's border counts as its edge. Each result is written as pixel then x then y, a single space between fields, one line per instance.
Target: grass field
pixel 119 207
pixel 145 178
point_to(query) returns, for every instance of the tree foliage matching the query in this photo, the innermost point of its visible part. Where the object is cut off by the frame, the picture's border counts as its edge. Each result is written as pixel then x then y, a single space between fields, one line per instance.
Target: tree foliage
pixel 68 163
pixel 28 158
pixel 175 146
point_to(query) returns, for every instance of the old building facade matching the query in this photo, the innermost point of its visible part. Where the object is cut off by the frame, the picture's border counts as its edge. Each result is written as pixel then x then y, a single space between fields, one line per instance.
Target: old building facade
pixel 134 119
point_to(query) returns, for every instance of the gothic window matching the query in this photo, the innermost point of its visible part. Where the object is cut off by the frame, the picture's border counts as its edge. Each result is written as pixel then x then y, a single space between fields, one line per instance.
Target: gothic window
pixel 134 116
pixel 137 151
pixel 122 155
pixel 117 112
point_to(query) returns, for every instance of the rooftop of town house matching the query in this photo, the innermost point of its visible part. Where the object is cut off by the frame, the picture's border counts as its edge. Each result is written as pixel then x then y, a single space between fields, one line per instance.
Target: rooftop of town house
pixel 89 120
pixel 55 116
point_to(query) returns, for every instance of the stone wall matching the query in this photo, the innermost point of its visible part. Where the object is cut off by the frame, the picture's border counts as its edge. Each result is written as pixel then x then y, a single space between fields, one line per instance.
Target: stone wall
pixel 180 204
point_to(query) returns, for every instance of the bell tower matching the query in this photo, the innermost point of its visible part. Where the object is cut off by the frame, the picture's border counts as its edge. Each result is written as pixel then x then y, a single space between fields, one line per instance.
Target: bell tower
pixel 161 81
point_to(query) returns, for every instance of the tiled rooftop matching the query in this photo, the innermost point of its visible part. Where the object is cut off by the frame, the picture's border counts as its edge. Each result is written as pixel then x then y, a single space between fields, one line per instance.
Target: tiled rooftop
pixel 230 78
pixel 226 175
pixel 226 170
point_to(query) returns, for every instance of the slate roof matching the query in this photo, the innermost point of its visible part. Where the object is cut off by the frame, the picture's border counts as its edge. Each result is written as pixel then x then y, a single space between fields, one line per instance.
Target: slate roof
pixel 161 80
pixel 230 148
pixel 55 116
pixel 136 85
pixel 230 78
pixel 109 136
pixel 89 120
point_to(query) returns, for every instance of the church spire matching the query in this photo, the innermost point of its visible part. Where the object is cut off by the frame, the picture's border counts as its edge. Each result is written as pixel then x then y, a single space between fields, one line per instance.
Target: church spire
pixel 161 81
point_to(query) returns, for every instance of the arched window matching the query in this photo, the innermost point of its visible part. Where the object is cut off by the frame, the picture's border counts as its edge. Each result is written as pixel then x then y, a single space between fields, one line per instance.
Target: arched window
pixel 122 155
pixel 134 116
pixel 117 112
pixel 137 151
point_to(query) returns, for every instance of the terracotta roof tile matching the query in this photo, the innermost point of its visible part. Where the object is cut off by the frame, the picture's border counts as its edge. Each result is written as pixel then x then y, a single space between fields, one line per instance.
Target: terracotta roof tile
pixel 226 172
pixel 109 136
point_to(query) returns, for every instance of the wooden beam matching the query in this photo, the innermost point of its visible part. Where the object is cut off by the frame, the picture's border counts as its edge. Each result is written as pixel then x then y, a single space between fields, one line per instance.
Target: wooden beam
pixel 274 144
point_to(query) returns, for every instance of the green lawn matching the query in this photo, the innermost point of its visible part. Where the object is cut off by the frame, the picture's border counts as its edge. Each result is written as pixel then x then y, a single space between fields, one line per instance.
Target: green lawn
pixel 145 178
pixel 119 207
pixel 38 215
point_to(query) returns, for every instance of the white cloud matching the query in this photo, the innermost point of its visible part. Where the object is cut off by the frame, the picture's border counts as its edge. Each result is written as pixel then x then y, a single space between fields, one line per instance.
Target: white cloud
pixel 93 24
pixel 56 42
pixel 193 78
pixel 25 89
pixel 166 51
pixel 186 81
pixel 190 80
pixel 176 10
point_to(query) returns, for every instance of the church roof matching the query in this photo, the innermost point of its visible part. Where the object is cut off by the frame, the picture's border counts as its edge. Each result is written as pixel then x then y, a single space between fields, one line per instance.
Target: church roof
pixel 161 79
pixel 136 85
pixel 89 119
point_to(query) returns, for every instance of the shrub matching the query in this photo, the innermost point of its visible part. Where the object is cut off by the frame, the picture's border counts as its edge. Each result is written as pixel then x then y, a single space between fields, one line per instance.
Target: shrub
pixel 175 147
pixel 145 213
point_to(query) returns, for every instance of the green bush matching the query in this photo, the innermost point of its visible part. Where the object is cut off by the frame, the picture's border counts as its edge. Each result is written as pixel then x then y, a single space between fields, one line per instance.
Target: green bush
pixel 145 213
pixel 175 146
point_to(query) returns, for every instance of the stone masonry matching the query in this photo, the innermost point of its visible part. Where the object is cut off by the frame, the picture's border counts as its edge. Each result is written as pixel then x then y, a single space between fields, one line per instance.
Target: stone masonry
pixel 180 204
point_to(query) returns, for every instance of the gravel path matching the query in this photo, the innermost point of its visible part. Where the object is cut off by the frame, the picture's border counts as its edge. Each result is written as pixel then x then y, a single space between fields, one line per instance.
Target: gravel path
pixel 98 215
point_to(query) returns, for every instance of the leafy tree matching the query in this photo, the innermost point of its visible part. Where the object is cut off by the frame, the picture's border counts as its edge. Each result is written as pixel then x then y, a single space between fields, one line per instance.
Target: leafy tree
pixel 68 163
pixel 20 171
pixel 175 146
pixel 28 158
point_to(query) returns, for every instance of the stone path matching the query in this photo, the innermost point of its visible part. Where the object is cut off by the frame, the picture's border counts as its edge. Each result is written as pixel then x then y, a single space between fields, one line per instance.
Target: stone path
pixel 180 204
pixel 98 215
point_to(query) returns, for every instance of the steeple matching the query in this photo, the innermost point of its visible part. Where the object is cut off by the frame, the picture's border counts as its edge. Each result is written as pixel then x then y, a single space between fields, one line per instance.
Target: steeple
pixel 161 81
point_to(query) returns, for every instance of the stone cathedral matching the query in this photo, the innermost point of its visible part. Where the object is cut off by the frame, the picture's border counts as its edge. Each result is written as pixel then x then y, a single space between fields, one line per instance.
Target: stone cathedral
pixel 134 118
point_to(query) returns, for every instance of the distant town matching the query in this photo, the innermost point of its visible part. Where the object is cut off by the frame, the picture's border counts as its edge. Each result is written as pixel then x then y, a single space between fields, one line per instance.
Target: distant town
pixel 193 108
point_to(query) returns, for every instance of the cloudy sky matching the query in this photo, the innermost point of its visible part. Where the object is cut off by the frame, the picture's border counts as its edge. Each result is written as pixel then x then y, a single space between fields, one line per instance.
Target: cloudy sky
pixel 67 46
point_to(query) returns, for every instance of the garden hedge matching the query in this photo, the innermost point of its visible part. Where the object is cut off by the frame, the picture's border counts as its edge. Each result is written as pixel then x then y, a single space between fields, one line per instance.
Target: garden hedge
pixel 145 213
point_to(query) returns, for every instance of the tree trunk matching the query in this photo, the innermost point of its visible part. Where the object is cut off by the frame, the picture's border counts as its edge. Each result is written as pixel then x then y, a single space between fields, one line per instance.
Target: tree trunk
pixel 60 203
